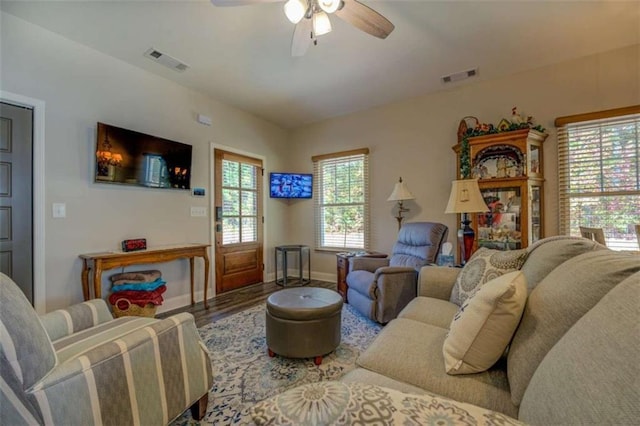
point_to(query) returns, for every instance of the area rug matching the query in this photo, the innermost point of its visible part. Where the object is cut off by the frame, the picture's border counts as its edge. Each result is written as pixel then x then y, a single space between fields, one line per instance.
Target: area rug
pixel 244 374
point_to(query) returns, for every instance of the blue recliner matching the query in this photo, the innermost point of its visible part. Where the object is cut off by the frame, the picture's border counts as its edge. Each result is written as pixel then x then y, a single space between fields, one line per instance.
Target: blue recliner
pixel 381 288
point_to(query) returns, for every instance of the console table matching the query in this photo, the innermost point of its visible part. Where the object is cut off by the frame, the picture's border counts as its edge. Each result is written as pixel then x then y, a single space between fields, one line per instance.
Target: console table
pixel 114 259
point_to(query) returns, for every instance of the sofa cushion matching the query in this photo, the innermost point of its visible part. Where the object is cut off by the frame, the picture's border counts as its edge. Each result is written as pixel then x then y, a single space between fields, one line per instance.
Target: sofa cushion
pixel 555 305
pixel 485 265
pixel 329 403
pixel 484 324
pixel 430 311
pixel 23 341
pixel 411 352
pixel 591 376
pixel 545 255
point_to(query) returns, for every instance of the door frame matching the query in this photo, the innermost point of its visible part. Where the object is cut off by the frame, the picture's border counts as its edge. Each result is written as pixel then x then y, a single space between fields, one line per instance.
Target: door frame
pixel 38 106
pixel 212 230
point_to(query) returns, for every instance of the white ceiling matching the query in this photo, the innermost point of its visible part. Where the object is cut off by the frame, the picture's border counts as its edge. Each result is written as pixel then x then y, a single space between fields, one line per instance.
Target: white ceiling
pixel 241 55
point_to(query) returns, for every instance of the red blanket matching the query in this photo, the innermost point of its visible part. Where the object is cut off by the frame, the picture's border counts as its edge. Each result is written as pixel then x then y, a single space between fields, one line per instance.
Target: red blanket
pixel 140 298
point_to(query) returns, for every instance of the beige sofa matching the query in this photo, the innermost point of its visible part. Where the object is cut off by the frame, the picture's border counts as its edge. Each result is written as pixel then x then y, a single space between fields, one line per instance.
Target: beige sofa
pixel 573 358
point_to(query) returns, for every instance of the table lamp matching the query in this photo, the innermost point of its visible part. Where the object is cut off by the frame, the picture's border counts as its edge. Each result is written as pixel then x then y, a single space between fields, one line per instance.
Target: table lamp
pixel 400 193
pixel 466 198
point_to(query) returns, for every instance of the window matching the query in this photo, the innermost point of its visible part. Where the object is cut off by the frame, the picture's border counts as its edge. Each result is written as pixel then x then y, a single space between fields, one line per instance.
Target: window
pixel 341 187
pixel 599 174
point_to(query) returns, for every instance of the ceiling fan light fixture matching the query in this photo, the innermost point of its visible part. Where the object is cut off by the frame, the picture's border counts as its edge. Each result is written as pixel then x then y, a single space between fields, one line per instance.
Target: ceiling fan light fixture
pixel 329 6
pixel 295 10
pixel 321 24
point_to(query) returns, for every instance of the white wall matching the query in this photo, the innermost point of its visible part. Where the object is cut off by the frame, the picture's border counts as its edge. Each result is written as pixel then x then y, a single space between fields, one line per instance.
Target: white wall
pixel 413 138
pixel 80 87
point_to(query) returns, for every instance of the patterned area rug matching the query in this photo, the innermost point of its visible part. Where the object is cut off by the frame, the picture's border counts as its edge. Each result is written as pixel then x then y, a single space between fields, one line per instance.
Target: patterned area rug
pixel 244 374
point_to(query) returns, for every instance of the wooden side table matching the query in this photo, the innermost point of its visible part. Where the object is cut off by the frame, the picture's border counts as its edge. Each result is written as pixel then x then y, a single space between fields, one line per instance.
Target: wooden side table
pixel 343 268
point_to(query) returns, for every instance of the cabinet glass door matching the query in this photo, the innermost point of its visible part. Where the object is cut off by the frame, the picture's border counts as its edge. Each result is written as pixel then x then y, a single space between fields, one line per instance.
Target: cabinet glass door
pixel 535 215
pixel 500 228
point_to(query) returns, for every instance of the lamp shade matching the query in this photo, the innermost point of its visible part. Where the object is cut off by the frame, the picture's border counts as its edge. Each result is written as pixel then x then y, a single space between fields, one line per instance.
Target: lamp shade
pixel 329 6
pixel 295 10
pixel 465 197
pixel 400 192
pixel 321 23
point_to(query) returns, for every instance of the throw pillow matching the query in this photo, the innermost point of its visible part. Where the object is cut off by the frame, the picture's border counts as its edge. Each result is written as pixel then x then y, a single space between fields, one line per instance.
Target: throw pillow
pixel 485 265
pixel 484 325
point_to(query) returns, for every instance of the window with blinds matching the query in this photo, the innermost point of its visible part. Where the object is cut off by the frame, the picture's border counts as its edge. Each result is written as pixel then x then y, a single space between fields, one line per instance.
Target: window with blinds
pixel 599 174
pixel 341 187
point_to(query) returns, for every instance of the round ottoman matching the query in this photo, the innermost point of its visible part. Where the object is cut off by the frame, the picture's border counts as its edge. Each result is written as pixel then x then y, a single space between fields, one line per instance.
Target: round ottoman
pixel 303 322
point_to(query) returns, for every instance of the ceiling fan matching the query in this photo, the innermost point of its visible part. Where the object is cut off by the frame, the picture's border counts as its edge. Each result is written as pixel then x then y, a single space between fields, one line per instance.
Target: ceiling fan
pixel 312 18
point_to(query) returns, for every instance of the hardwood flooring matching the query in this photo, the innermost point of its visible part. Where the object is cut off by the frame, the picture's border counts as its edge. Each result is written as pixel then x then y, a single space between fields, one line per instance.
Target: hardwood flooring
pixel 234 301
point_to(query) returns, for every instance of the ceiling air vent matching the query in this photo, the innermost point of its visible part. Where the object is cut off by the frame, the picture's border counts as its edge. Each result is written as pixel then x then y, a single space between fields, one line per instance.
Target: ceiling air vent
pixel 460 75
pixel 166 60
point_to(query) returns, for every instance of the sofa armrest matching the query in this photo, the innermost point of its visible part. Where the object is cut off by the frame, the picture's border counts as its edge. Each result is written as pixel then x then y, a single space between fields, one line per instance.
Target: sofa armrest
pixel 164 362
pixel 343 403
pixel 370 264
pixel 437 281
pixel 63 322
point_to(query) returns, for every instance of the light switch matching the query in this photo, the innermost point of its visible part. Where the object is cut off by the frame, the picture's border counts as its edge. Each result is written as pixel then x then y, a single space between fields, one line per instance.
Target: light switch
pixel 59 210
pixel 198 211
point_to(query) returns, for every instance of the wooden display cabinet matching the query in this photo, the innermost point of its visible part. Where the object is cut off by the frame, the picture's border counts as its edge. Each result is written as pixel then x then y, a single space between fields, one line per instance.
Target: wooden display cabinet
pixel 508 167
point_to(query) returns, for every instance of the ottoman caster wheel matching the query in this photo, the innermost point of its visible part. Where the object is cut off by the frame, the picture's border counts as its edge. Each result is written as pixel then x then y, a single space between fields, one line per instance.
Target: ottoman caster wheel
pixel 271 353
pixel 317 360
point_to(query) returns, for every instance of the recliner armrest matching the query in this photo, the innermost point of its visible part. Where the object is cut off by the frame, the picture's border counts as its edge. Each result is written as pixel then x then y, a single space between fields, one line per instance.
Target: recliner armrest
pixel 78 317
pixel 370 264
pixel 388 270
pixel 437 281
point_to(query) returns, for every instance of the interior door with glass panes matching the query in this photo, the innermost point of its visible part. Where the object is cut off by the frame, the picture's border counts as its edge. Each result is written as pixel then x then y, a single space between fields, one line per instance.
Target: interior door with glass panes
pixel 238 221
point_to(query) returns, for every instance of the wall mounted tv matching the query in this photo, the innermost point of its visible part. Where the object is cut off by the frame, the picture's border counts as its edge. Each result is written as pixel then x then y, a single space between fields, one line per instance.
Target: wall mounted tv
pixel 290 185
pixel 126 157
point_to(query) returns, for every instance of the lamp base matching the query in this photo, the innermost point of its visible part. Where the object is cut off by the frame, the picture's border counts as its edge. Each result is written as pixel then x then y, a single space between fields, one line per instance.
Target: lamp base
pixel 466 237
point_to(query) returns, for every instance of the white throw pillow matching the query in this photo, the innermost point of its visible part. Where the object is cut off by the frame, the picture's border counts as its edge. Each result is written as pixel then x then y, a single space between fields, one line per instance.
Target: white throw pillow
pixel 484 325
pixel 485 265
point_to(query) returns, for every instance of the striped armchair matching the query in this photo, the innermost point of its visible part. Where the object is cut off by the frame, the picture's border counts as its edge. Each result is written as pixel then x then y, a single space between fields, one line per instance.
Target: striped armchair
pixel 80 366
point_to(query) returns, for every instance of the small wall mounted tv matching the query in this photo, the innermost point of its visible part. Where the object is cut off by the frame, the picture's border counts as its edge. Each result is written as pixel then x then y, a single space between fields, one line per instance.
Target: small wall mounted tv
pixel 290 185
pixel 127 157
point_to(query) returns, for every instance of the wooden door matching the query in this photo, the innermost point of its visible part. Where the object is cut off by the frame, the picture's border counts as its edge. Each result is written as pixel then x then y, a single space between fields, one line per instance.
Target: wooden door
pixel 16 195
pixel 238 221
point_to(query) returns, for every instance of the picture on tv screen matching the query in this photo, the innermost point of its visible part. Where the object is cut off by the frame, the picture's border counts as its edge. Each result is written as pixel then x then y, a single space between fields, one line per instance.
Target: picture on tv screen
pixel 291 185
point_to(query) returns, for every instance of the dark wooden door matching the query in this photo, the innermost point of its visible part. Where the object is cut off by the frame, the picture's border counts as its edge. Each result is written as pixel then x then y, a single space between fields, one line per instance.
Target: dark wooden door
pixel 238 221
pixel 16 195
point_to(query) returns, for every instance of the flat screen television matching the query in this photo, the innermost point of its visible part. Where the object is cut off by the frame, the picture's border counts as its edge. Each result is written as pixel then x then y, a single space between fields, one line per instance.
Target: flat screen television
pixel 127 157
pixel 291 185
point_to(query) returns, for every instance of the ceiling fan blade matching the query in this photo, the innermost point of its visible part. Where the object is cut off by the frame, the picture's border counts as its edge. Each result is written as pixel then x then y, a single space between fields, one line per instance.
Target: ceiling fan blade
pixel 302 37
pixel 240 2
pixel 365 18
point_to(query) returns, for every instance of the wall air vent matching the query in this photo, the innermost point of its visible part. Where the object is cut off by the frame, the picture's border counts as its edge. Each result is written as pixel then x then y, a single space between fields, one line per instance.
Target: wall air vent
pixel 460 75
pixel 166 60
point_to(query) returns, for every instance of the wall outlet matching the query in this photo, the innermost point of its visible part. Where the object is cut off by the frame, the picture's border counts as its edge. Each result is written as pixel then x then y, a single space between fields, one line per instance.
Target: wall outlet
pixel 198 211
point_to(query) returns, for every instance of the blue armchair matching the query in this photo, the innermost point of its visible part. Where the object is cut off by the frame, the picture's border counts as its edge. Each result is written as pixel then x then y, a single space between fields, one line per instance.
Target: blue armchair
pixel 381 288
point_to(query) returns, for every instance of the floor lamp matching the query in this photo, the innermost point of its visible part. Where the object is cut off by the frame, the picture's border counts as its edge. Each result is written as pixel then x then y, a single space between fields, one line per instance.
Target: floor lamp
pixel 400 193
pixel 466 198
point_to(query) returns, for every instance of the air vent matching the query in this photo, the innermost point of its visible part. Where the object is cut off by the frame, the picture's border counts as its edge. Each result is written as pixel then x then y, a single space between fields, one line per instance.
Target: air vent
pixel 166 60
pixel 460 75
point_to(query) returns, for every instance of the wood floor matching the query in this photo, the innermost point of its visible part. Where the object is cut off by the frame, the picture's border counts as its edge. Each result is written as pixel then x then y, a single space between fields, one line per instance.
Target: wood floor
pixel 235 301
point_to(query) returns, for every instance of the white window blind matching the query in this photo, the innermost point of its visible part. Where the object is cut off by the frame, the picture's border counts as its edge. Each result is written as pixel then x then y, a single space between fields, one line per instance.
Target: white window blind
pixel 599 174
pixel 341 188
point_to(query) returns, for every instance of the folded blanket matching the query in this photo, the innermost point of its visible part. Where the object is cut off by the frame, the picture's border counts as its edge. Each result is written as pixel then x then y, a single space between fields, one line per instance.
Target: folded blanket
pixel 135 277
pixel 140 298
pixel 138 286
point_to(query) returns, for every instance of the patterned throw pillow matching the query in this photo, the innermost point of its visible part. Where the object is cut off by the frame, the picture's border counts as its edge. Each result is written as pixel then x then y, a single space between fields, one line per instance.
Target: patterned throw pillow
pixel 485 265
pixel 484 325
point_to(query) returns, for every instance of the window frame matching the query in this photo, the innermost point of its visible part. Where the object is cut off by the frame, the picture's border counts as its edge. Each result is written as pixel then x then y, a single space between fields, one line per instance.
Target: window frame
pixel 583 123
pixel 319 161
